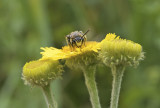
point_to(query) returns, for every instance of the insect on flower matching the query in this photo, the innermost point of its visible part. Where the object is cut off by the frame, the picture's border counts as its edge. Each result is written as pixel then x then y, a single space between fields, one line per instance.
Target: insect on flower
pixel 76 39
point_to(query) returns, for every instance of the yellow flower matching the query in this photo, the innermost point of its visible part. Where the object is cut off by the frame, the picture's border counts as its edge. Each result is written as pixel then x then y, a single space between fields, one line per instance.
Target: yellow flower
pixel 78 56
pixel 41 72
pixel 117 51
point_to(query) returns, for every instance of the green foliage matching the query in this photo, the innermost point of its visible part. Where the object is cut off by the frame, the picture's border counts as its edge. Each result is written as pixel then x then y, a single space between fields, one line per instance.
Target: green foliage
pixel 27 25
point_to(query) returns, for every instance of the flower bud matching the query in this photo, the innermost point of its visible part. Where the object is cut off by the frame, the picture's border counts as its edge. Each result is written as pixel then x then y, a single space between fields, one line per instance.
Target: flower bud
pixel 41 72
pixel 117 51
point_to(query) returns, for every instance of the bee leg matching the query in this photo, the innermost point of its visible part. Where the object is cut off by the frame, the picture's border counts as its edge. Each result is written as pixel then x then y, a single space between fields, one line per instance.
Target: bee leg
pixel 83 42
pixel 80 47
pixel 69 45
pixel 77 46
pixel 72 47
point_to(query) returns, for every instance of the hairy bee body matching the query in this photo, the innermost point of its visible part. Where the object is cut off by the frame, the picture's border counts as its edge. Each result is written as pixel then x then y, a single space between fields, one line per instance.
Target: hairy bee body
pixel 76 39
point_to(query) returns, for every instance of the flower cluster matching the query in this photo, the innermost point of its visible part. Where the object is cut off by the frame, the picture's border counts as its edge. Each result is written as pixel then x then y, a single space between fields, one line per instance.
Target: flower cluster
pixel 112 51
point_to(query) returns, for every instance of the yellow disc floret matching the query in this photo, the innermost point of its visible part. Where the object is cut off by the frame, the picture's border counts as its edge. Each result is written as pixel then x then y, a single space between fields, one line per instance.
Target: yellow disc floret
pixel 41 72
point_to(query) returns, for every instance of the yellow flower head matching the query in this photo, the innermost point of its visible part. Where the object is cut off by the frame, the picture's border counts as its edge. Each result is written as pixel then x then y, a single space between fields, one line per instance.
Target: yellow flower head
pixel 84 56
pixel 117 51
pixel 41 72
pixel 78 56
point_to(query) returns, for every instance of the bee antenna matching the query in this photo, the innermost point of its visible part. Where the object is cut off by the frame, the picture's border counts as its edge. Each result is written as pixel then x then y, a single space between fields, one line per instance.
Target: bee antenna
pixel 85 33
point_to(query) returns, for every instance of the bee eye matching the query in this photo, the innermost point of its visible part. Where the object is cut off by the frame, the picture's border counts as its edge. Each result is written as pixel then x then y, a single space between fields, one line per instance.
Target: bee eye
pixel 81 32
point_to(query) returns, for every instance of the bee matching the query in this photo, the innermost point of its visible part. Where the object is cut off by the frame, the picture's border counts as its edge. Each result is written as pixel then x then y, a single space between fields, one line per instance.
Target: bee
pixel 76 39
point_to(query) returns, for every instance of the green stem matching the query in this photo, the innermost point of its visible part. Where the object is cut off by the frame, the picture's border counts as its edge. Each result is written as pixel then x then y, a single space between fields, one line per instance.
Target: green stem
pixel 49 96
pixel 89 74
pixel 117 72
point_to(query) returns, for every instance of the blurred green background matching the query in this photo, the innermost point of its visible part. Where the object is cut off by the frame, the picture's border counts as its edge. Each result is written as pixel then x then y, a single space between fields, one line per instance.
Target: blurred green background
pixel 27 25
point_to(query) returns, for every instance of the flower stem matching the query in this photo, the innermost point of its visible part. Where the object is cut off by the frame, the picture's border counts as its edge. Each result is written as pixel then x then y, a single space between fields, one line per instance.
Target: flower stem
pixel 49 97
pixel 89 74
pixel 117 72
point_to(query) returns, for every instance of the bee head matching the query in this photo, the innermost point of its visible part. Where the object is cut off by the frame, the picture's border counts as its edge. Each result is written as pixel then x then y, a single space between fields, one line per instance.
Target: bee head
pixel 67 36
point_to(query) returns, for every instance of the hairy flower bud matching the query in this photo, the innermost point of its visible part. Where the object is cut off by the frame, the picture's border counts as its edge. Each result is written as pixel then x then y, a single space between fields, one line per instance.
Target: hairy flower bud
pixel 41 72
pixel 117 51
